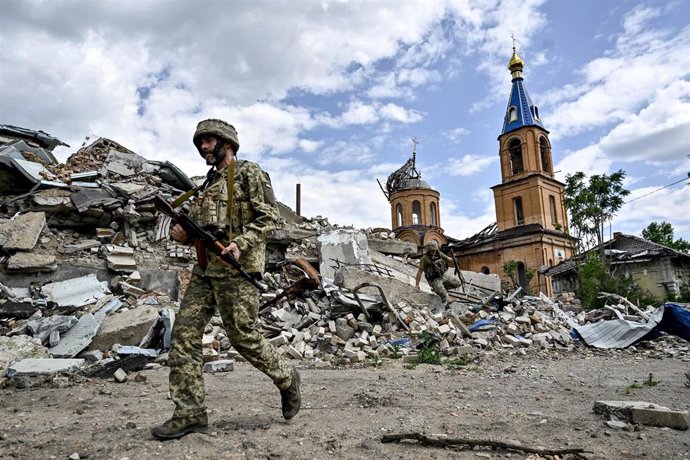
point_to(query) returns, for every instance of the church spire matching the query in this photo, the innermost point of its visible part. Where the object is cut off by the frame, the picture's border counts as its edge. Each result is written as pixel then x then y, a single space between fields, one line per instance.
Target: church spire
pixel 521 111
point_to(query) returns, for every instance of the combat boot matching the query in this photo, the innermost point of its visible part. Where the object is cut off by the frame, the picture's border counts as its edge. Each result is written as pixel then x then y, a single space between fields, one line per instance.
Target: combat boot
pixel 176 427
pixel 291 399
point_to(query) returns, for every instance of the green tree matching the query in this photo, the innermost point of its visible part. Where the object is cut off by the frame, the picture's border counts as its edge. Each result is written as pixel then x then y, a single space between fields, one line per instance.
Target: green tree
pixel 591 204
pixel 662 233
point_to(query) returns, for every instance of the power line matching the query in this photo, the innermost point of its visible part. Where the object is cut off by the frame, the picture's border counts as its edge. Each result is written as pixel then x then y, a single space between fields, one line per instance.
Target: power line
pixel 657 190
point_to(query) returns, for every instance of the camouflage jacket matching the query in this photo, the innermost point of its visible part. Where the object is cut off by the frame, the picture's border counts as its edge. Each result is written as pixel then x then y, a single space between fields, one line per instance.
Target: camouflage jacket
pixel 434 267
pixel 254 214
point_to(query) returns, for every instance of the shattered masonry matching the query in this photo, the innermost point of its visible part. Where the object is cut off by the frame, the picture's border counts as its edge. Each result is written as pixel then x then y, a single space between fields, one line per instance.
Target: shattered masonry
pixel 90 281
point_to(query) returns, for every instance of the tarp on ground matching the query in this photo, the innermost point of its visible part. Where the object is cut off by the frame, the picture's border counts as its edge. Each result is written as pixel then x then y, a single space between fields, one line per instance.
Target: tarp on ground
pixel 618 333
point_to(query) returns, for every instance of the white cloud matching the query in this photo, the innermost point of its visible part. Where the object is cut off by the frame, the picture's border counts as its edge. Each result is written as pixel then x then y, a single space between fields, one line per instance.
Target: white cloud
pixel 454 135
pixel 671 205
pixel 394 112
pixel 646 64
pixel 468 165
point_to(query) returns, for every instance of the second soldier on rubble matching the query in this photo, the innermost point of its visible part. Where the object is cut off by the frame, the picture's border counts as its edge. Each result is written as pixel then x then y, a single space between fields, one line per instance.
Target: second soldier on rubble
pixel 434 265
pixel 241 220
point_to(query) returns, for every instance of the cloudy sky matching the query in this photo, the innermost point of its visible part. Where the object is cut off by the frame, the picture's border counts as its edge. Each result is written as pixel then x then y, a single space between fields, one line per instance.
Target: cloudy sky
pixel 329 93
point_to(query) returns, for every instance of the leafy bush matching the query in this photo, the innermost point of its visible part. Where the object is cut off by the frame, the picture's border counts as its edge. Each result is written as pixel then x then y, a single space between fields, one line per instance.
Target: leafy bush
pixel 595 278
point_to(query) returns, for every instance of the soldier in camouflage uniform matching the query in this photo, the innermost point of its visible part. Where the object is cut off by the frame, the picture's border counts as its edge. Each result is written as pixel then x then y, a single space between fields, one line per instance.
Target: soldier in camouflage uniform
pixel 214 284
pixel 434 265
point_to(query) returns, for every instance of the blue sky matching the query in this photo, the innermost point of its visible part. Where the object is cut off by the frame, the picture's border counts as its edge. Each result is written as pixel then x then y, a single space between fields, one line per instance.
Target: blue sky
pixel 330 93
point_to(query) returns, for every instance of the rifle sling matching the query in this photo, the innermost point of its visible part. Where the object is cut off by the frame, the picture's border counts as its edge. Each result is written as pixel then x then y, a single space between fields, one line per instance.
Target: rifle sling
pixel 231 182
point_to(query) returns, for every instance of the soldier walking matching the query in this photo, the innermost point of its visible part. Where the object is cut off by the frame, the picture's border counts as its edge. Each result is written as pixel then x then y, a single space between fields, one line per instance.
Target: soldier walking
pixel 239 207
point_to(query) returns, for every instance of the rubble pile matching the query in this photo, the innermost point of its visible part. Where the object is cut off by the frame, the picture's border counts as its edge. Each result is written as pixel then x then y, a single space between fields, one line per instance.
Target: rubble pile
pixel 90 281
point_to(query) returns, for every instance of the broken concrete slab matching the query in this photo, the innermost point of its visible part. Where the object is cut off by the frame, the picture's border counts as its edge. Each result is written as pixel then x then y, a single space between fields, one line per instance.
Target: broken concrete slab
pixel 29 262
pixel 88 198
pixel 22 232
pixel 126 164
pixel 341 246
pixel 132 350
pixel 41 328
pixel 396 291
pixel 391 246
pixel 77 338
pixel 75 292
pixel 13 349
pixel 125 328
pixel 644 413
pixel 33 371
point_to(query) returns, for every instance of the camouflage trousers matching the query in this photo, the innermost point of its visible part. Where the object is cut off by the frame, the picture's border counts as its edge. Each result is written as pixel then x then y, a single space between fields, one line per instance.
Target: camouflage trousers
pixel 238 303
pixel 439 286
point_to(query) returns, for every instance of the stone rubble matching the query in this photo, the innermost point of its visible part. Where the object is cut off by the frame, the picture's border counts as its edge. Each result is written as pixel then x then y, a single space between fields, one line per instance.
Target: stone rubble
pixel 100 281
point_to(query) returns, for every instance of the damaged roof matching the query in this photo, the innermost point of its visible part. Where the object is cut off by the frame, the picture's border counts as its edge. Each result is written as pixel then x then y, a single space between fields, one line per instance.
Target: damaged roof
pixel 622 249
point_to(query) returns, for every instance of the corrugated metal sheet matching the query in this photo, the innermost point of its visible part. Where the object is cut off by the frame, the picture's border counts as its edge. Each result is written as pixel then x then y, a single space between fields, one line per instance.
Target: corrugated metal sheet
pixel 618 333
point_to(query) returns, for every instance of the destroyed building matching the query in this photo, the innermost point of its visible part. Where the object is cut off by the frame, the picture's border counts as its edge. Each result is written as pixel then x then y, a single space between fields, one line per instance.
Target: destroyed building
pixel 90 281
pixel 415 205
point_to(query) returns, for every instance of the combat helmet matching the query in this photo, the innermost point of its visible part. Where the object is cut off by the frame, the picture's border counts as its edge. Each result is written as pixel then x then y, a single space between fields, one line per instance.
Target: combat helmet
pixel 219 128
pixel 431 245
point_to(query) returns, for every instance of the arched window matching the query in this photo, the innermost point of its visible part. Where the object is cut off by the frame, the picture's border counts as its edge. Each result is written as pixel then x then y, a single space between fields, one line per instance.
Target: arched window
pixel 432 209
pixel 515 151
pixel 535 110
pixel 544 152
pixel 398 214
pixel 517 211
pixel 416 213
pixel 512 114
pixel 485 270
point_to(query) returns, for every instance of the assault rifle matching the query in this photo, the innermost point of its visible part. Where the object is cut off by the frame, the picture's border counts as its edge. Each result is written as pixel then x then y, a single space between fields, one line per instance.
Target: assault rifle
pixel 207 239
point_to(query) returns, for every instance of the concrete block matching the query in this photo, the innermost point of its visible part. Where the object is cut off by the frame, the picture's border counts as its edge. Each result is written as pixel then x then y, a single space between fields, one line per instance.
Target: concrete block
pixel 125 328
pixel 278 341
pixel 120 376
pixel 291 351
pixel 644 413
pixel 222 365
pixel 661 416
pixel 444 329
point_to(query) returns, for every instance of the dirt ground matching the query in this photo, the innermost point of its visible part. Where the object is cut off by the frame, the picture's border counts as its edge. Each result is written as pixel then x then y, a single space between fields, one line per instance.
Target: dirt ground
pixel 539 401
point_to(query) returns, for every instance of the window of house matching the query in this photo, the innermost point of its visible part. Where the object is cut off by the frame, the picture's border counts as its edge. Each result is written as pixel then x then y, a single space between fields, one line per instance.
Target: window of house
pixel 416 213
pixel 517 206
pixel 432 210
pixel 515 151
pixel 544 152
pixel 485 270
pixel 398 213
pixel 552 207
pixel 512 114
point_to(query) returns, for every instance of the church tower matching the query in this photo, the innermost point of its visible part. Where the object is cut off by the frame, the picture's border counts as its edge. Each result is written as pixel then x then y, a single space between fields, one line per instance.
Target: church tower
pixel 528 194
pixel 530 233
pixel 415 206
